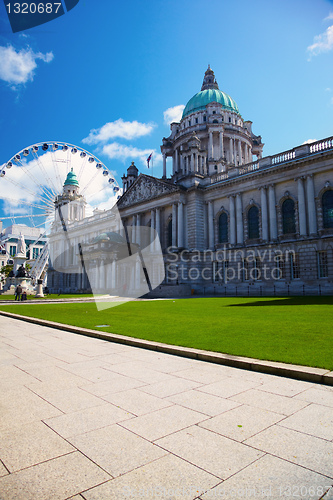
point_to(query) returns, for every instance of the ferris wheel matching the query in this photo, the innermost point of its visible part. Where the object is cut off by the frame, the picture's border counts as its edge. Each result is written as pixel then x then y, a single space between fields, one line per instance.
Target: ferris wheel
pixel 32 179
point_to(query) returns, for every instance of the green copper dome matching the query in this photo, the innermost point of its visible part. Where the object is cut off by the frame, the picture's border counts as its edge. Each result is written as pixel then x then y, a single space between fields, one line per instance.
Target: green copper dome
pixel 200 100
pixel 71 179
pixel 210 92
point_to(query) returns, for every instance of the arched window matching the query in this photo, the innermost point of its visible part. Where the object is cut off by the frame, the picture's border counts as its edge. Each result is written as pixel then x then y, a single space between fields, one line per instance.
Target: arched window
pixel 288 217
pixel 253 223
pixel 327 202
pixel 170 233
pixel 223 228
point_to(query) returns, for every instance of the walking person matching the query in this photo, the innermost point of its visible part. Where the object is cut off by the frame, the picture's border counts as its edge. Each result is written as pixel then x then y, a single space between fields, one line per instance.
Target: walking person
pixel 18 291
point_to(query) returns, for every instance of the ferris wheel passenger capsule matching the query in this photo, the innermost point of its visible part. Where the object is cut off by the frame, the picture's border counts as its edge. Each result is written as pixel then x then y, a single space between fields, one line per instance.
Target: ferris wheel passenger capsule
pixel 17 158
pixel 65 147
pixel 105 173
pixel 34 149
pixel 111 180
pixel 83 154
pixel 98 165
pixel 116 189
pixel 26 152
pixel 91 159
pixel 74 150
pixel 55 147
pixel 45 147
pixel 118 197
pixel 9 164
pixel 2 173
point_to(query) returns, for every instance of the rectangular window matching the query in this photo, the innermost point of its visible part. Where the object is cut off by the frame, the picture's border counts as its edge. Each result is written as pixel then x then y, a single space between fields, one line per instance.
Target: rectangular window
pixel 12 250
pixel 225 265
pixel 322 265
pixel 245 270
pixel 294 266
pixel 204 118
pixel 280 273
pixel 256 269
pixel 35 253
pixel 196 120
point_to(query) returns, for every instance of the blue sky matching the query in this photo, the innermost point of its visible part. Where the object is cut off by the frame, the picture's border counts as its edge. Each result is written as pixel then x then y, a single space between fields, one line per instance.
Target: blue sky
pixel 103 75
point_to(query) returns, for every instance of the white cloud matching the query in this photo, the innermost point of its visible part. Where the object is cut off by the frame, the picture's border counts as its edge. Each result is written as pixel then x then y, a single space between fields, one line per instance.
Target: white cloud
pixel 322 43
pixel 309 141
pixel 329 17
pixel 126 153
pixel 173 114
pixel 119 128
pixel 17 67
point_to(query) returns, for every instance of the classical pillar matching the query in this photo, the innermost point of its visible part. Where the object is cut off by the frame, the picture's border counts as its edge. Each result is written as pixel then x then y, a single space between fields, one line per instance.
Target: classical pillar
pixel 133 240
pixel 264 214
pixel 210 146
pixel 176 166
pixel 174 225
pixel 180 224
pixel 195 162
pixel 152 226
pixel 301 207
pixel 232 220
pixel 158 225
pixel 138 224
pixel 272 213
pixel 231 151
pixel 164 165
pixel 211 225
pixel 312 218
pixel 221 144
pixel 239 218
pixel 137 274
pixel 113 275
pixel 240 151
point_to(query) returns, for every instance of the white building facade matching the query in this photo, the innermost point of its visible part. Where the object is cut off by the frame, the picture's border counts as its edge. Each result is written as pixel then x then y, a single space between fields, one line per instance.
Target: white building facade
pixel 231 221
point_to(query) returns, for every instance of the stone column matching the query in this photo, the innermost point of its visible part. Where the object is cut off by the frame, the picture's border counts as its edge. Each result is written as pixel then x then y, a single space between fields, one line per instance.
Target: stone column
pixel 264 213
pixel 312 218
pixel 138 224
pixel 113 275
pixel 174 225
pixel 239 218
pixel 240 151
pixel 176 166
pixel 195 162
pixel 232 220
pixel 158 225
pixel 301 207
pixel 180 224
pixel 133 240
pixel 231 152
pixel 164 165
pixel 221 144
pixel 272 213
pixel 152 227
pixel 210 146
pixel 211 239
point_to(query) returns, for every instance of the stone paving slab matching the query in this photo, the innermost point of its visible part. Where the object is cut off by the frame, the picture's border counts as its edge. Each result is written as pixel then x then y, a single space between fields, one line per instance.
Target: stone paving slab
pixel 67 434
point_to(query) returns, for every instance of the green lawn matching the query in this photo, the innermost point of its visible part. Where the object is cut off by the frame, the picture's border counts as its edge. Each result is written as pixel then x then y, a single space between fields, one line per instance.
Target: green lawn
pixel 291 330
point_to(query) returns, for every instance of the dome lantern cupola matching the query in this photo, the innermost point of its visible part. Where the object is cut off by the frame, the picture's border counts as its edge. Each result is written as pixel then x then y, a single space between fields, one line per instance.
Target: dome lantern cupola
pixel 209 81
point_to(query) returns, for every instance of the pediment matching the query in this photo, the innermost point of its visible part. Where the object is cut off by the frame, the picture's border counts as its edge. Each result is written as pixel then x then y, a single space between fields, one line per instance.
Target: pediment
pixel 146 188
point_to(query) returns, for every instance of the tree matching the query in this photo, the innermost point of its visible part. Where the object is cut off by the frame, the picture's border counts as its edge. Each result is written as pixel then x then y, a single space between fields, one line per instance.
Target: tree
pixel 5 270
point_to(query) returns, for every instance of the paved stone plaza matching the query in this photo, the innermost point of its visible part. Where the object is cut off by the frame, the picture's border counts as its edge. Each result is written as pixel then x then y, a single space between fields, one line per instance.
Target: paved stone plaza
pixel 83 418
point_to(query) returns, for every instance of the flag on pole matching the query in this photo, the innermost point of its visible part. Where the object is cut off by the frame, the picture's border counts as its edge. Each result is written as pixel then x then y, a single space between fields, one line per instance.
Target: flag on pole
pixel 149 158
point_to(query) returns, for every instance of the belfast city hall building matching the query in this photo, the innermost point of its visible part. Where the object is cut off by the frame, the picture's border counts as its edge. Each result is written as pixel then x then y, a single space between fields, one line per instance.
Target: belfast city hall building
pixel 229 219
